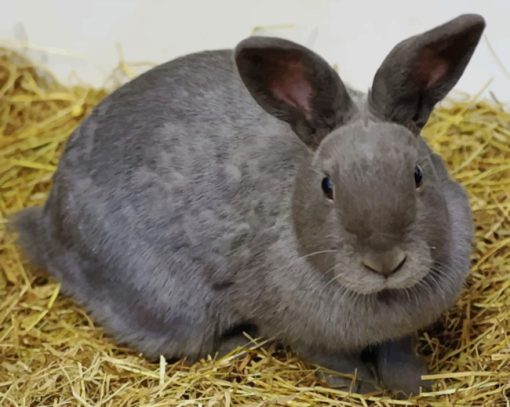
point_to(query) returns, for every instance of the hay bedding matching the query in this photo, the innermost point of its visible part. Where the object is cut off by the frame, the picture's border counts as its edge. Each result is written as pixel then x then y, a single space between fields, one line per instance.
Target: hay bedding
pixel 52 354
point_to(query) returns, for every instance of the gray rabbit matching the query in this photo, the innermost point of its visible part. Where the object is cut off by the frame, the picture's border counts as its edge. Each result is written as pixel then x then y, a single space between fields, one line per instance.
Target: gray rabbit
pixel 252 190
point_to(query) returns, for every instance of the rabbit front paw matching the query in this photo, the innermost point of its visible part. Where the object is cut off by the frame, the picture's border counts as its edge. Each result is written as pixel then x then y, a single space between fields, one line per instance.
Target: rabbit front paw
pixel 345 372
pixel 400 369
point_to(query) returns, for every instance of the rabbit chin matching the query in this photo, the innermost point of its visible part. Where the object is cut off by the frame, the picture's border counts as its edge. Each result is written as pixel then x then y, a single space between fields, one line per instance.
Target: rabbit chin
pixel 365 282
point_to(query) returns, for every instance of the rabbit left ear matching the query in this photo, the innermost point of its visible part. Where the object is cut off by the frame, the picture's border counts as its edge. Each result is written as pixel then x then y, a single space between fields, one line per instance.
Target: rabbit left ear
pixel 294 84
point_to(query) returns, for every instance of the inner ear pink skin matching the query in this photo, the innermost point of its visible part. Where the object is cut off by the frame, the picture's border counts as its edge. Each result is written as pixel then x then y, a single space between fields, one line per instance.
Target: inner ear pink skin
pixel 291 87
pixel 431 69
pixel 437 74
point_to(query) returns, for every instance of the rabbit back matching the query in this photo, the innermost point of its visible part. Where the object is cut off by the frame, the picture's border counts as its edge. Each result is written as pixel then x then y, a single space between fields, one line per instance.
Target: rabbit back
pixel 153 209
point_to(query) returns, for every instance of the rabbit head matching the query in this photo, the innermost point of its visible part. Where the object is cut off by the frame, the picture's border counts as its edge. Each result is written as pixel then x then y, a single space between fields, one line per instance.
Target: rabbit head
pixel 371 197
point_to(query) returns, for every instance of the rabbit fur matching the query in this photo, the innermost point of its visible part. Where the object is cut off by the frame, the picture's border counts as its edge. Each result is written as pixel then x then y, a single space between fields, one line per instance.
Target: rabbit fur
pixel 190 204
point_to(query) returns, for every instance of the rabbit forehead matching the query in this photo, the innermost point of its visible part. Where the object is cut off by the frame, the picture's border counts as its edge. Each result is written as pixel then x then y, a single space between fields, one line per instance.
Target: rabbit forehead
pixel 365 145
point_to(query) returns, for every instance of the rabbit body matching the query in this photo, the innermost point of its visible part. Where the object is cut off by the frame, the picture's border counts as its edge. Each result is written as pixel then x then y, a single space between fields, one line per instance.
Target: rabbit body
pixel 182 209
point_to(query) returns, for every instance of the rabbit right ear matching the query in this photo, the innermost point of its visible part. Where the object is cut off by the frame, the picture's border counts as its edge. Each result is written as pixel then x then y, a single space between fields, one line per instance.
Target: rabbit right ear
pixel 294 84
pixel 421 70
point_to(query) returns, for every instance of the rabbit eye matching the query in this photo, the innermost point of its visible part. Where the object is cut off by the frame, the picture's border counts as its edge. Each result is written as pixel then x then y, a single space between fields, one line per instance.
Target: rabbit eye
pixel 418 176
pixel 327 187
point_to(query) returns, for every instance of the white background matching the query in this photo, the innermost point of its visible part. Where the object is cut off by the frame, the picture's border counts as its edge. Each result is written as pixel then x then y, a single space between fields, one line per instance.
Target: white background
pixel 82 36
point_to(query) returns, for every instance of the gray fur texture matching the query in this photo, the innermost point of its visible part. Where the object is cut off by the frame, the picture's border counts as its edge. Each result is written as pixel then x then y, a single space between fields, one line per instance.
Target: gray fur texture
pixel 189 205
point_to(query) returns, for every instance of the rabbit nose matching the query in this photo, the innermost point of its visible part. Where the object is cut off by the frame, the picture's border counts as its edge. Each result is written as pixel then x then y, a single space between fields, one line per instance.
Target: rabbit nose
pixel 385 263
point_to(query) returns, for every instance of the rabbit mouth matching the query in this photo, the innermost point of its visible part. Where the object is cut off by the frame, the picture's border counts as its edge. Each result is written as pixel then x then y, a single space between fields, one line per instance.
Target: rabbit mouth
pixel 408 278
pixel 353 274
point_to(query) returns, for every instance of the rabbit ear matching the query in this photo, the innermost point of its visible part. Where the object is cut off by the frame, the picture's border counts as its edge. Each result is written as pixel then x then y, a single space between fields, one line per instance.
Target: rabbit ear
pixel 294 84
pixel 421 70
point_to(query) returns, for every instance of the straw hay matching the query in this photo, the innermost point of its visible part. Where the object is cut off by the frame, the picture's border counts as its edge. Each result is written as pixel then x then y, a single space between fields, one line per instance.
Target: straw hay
pixel 52 354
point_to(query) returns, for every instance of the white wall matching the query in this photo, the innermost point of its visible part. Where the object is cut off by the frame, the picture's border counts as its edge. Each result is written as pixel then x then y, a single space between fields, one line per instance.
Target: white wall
pixel 354 34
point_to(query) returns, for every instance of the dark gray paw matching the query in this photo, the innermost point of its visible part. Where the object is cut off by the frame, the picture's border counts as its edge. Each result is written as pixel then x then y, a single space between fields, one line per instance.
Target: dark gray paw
pixel 230 344
pixel 400 369
pixel 355 384
pixel 345 372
